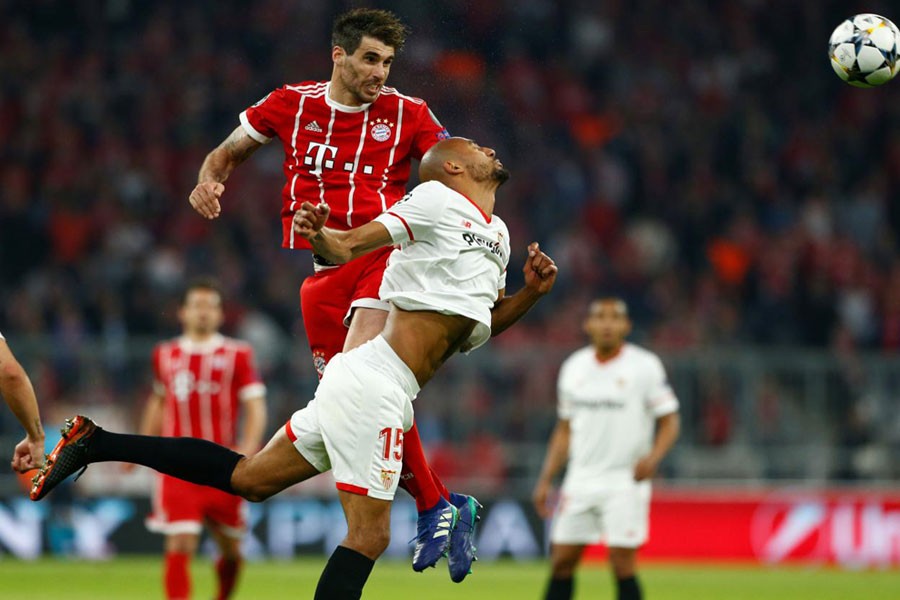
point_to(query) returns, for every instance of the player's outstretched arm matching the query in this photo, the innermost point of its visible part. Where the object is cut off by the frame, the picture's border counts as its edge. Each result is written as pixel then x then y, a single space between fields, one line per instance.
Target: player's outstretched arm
pixel 540 275
pixel 16 389
pixel 255 415
pixel 335 245
pixel 216 168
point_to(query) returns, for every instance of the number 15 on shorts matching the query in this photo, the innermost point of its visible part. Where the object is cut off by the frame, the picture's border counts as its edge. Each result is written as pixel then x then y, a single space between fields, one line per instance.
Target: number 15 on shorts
pixel 392 443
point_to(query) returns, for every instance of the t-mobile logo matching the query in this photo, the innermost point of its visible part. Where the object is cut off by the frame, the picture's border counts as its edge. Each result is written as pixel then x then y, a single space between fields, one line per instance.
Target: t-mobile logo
pixel 322 156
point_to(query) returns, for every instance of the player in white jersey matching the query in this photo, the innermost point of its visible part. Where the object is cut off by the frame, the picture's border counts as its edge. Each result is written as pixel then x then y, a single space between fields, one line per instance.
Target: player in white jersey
pixel 17 391
pixel 446 286
pixel 612 396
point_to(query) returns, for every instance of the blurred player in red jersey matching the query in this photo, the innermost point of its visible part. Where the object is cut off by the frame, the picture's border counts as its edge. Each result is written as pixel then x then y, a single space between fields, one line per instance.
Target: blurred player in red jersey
pixel 17 391
pixel 204 384
pixel 348 142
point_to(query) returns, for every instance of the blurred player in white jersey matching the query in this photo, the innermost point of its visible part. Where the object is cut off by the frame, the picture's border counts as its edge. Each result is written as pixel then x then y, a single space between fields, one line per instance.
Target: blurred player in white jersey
pixel 17 391
pixel 204 385
pixel 349 143
pixel 612 396
pixel 446 286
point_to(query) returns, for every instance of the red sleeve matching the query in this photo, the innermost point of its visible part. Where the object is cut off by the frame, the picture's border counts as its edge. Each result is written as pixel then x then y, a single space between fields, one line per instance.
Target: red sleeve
pixel 429 132
pixel 247 383
pixel 266 118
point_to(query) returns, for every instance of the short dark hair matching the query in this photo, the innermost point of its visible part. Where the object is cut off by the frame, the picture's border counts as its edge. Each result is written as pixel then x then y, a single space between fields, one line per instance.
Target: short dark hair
pixel 204 282
pixel 383 25
pixel 618 300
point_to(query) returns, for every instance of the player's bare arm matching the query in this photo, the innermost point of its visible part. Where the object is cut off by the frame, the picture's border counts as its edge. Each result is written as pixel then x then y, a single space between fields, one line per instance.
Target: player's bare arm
pixel 667 429
pixel 255 414
pixel 152 418
pixel 557 455
pixel 216 168
pixel 18 393
pixel 540 275
pixel 334 245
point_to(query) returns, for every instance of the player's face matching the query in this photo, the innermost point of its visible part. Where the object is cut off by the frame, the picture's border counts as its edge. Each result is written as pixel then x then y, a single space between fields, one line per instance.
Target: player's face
pixel 364 72
pixel 484 164
pixel 201 313
pixel 607 324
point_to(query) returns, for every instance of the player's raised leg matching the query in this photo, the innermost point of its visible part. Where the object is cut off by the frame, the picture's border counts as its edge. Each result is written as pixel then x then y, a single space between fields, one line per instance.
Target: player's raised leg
pixel 274 468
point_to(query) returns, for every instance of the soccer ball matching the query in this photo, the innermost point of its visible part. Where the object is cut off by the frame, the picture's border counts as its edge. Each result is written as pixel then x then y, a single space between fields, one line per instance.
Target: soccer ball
pixel 863 50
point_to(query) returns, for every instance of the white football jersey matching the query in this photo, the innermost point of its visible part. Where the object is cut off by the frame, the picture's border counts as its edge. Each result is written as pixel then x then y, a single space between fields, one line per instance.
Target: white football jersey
pixel 452 257
pixel 612 407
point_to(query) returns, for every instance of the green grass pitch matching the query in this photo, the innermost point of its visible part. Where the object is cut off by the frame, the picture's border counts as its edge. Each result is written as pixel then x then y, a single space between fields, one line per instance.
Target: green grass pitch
pixel 125 579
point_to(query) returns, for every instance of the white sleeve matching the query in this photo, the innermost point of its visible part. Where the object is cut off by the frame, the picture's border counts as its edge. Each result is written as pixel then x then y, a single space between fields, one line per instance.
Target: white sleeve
pixel 501 282
pixel 415 215
pixel 660 398
pixel 1 336
pixel 564 393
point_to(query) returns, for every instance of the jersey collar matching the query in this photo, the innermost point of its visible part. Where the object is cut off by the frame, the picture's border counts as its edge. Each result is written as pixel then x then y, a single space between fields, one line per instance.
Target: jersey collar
pixel 486 216
pixel 209 345
pixel 342 107
pixel 609 359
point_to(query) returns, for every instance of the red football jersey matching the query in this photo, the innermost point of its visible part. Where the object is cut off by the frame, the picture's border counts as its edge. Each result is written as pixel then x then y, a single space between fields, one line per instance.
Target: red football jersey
pixel 355 158
pixel 202 384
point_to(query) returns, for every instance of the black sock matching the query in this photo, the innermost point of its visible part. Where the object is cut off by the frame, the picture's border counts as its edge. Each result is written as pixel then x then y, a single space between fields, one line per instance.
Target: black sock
pixel 344 576
pixel 191 459
pixel 559 589
pixel 629 588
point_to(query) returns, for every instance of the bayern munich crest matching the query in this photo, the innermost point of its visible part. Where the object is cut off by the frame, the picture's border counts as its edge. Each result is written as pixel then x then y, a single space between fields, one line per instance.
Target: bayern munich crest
pixel 319 362
pixel 381 130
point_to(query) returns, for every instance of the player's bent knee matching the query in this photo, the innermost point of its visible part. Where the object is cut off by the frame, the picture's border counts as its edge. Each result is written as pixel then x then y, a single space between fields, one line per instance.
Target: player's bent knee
pixel 254 493
pixel 370 541
pixel 249 488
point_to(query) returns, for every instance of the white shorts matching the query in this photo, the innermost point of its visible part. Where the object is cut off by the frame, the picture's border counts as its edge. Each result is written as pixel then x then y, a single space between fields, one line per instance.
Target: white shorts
pixel 354 425
pixel 618 517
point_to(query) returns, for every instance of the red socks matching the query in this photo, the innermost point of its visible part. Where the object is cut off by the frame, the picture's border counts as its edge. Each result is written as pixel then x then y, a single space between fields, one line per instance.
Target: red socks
pixel 227 572
pixel 177 578
pixel 416 477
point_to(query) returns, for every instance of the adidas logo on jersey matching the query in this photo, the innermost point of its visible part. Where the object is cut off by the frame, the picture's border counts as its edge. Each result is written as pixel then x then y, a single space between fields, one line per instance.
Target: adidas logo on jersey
pixel 313 126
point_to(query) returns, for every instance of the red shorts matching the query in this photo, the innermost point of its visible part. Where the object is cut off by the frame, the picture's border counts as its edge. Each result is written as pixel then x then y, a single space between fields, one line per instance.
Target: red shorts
pixel 182 507
pixel 328 297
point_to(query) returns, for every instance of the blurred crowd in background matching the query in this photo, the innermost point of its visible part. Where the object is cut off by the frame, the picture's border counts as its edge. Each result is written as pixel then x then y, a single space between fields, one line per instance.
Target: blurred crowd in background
pixel 701 160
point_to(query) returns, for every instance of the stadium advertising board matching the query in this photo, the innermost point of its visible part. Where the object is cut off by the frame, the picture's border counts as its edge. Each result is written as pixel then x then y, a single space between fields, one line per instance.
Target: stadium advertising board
pixel 849 529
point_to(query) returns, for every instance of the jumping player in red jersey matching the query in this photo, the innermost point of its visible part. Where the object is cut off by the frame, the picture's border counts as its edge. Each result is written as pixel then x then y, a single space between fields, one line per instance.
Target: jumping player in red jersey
pixel 203 383
pixel 348 142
